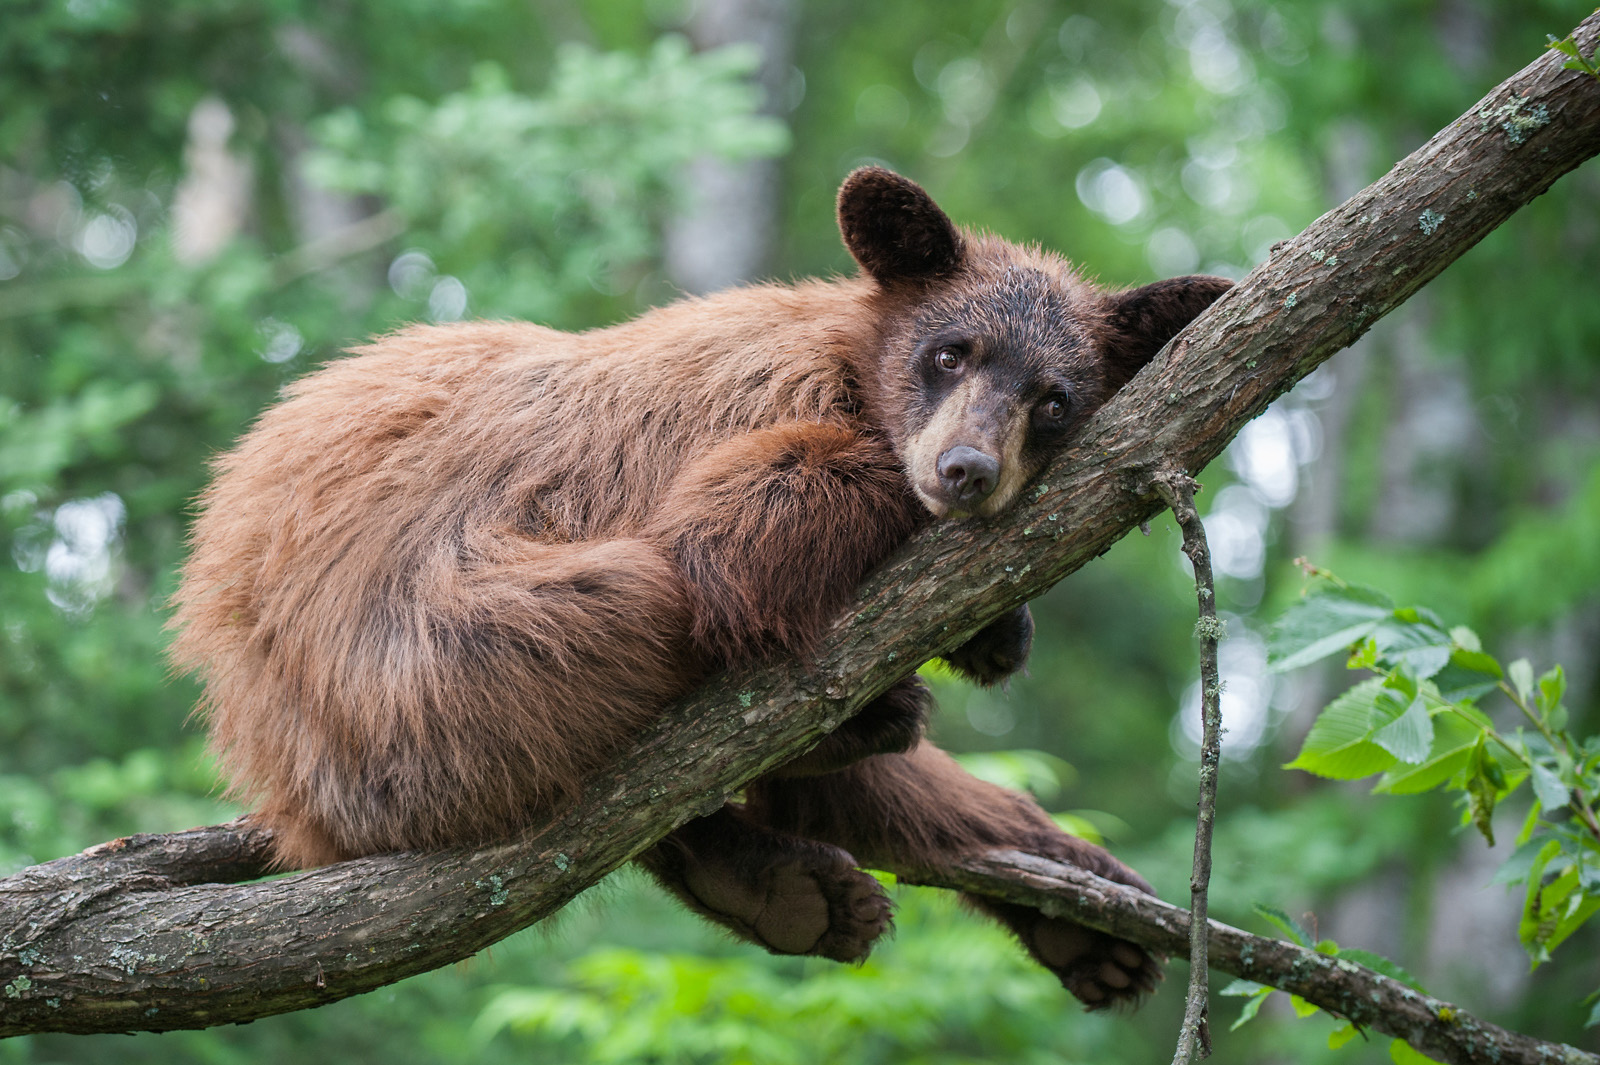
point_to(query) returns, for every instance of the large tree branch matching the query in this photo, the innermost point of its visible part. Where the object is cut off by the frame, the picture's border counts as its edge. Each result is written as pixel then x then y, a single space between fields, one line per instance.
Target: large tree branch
pixel 139 936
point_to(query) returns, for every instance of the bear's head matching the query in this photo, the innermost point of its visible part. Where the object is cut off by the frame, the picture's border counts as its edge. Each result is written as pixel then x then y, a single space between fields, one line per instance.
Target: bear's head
pixel 992 353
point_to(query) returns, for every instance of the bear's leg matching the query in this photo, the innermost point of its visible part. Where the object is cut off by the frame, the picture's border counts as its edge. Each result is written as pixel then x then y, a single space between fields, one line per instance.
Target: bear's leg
pixel 789 895
pixel 916 811
pixel 996 652
pixel 772 531
pixel 890 724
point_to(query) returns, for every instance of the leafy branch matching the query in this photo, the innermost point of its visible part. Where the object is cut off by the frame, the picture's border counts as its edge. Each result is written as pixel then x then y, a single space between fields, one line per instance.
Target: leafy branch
pixel 1417 721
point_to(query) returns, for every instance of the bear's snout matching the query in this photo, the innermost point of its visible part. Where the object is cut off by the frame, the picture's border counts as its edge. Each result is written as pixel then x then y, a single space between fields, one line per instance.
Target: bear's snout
pixel 967 476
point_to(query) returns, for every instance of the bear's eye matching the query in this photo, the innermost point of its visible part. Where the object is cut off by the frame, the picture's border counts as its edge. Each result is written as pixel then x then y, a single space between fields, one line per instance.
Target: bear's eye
pixel 1054 408
pixel 947 359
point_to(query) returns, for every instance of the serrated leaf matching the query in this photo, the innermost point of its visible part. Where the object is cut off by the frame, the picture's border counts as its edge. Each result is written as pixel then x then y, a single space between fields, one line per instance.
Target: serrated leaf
pixel 1301 1007
pixel 1323 624
pixel 1420 646
pixel 1547 787
pixel 1342 1035
pixel 1402 1053
pixel 1434 770
pixel 1284 923
pixel 1250 1009
pixel 1379 964
pixel 1453 740
pixel 1408 737
pixel 1521 674
pixel 1339 745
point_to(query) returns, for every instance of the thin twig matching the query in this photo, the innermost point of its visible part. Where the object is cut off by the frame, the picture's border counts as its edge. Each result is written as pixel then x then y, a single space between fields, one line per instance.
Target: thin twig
pixel 1177 490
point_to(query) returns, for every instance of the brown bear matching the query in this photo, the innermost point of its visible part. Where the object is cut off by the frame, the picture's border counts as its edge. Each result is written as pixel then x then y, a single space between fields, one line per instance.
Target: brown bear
pixel 448 577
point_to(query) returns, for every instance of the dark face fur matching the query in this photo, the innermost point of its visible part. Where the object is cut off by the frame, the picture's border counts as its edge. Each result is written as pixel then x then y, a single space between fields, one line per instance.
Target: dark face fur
pixel 995 354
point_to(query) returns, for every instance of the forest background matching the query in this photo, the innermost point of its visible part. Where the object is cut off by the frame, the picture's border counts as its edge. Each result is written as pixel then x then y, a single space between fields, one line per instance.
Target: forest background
pixel 202 199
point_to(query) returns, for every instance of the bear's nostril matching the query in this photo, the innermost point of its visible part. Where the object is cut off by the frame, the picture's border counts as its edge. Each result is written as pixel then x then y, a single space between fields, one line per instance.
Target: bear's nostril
pixel 968 474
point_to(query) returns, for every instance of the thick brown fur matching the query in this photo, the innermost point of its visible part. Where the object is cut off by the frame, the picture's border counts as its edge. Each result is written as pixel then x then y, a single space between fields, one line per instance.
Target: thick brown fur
pixel 447 578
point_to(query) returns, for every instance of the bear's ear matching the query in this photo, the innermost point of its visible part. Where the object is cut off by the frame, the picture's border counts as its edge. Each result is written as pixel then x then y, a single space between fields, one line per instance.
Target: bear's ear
pixel 1142 320
pixel 894 229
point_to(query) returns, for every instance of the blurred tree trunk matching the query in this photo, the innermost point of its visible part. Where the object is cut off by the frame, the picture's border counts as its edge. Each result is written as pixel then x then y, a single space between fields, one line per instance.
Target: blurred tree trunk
pixel 725 232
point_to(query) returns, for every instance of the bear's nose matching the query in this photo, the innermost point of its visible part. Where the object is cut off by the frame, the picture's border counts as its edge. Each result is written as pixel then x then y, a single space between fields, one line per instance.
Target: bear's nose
pixel 968 474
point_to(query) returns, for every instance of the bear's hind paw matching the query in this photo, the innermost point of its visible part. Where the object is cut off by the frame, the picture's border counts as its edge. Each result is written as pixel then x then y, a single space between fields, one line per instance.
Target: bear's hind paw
pixel 833 912
pixel 1099 970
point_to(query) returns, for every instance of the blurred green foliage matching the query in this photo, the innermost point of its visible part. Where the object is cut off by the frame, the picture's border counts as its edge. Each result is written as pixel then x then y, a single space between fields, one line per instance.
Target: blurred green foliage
pixel 416 159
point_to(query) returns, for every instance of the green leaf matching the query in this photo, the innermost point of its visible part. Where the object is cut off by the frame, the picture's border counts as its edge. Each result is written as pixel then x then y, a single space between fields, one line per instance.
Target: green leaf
pixel 1401 1053
pixel 1363 655
pixel 1301 1007
pixel 1515 869
pixel 1521 674
pixel 1453 741
pixel 1379 964
pixel 1535 903
pixel 1342 1035
pixel 1477 661
pixel 1325 623
pixel 1576 61
pixel 1250 1009
pixel 1242 987
pixel 1408 737
pixel 1578 911
pixel 1528 825
pixel 1547 787
pixel 1284 923
pixel 1339 745
pixel 1468 675
pixel 1466 639
pixel 1552 686
pixel 1021 770
pixel 1566 47
pixel 1594 1014
pixel 1407 639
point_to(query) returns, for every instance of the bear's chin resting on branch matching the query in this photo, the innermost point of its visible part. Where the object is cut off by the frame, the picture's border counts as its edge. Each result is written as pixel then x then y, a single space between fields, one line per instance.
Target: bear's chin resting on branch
pixel 449 577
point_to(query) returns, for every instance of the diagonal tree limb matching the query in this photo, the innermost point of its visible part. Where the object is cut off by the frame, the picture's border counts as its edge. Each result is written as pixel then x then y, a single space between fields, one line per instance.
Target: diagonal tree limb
pixel 132 938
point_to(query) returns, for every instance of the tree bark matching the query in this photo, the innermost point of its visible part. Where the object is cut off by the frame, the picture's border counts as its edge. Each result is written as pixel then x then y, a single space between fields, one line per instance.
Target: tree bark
pixel 140 935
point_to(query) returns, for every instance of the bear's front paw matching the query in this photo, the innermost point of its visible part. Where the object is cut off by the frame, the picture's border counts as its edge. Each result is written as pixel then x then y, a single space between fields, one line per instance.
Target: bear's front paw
pixel 995 652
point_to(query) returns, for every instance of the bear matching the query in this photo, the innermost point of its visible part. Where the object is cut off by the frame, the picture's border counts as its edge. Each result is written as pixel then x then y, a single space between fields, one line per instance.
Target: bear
pixel 449 576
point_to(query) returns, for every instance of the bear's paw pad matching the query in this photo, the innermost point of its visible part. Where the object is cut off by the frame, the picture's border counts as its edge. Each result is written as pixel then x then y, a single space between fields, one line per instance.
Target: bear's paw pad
pixel 833 911
pixel 1101 971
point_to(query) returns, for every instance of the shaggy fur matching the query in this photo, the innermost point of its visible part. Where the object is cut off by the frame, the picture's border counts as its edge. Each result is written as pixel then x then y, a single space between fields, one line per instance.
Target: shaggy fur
pixel 447 578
